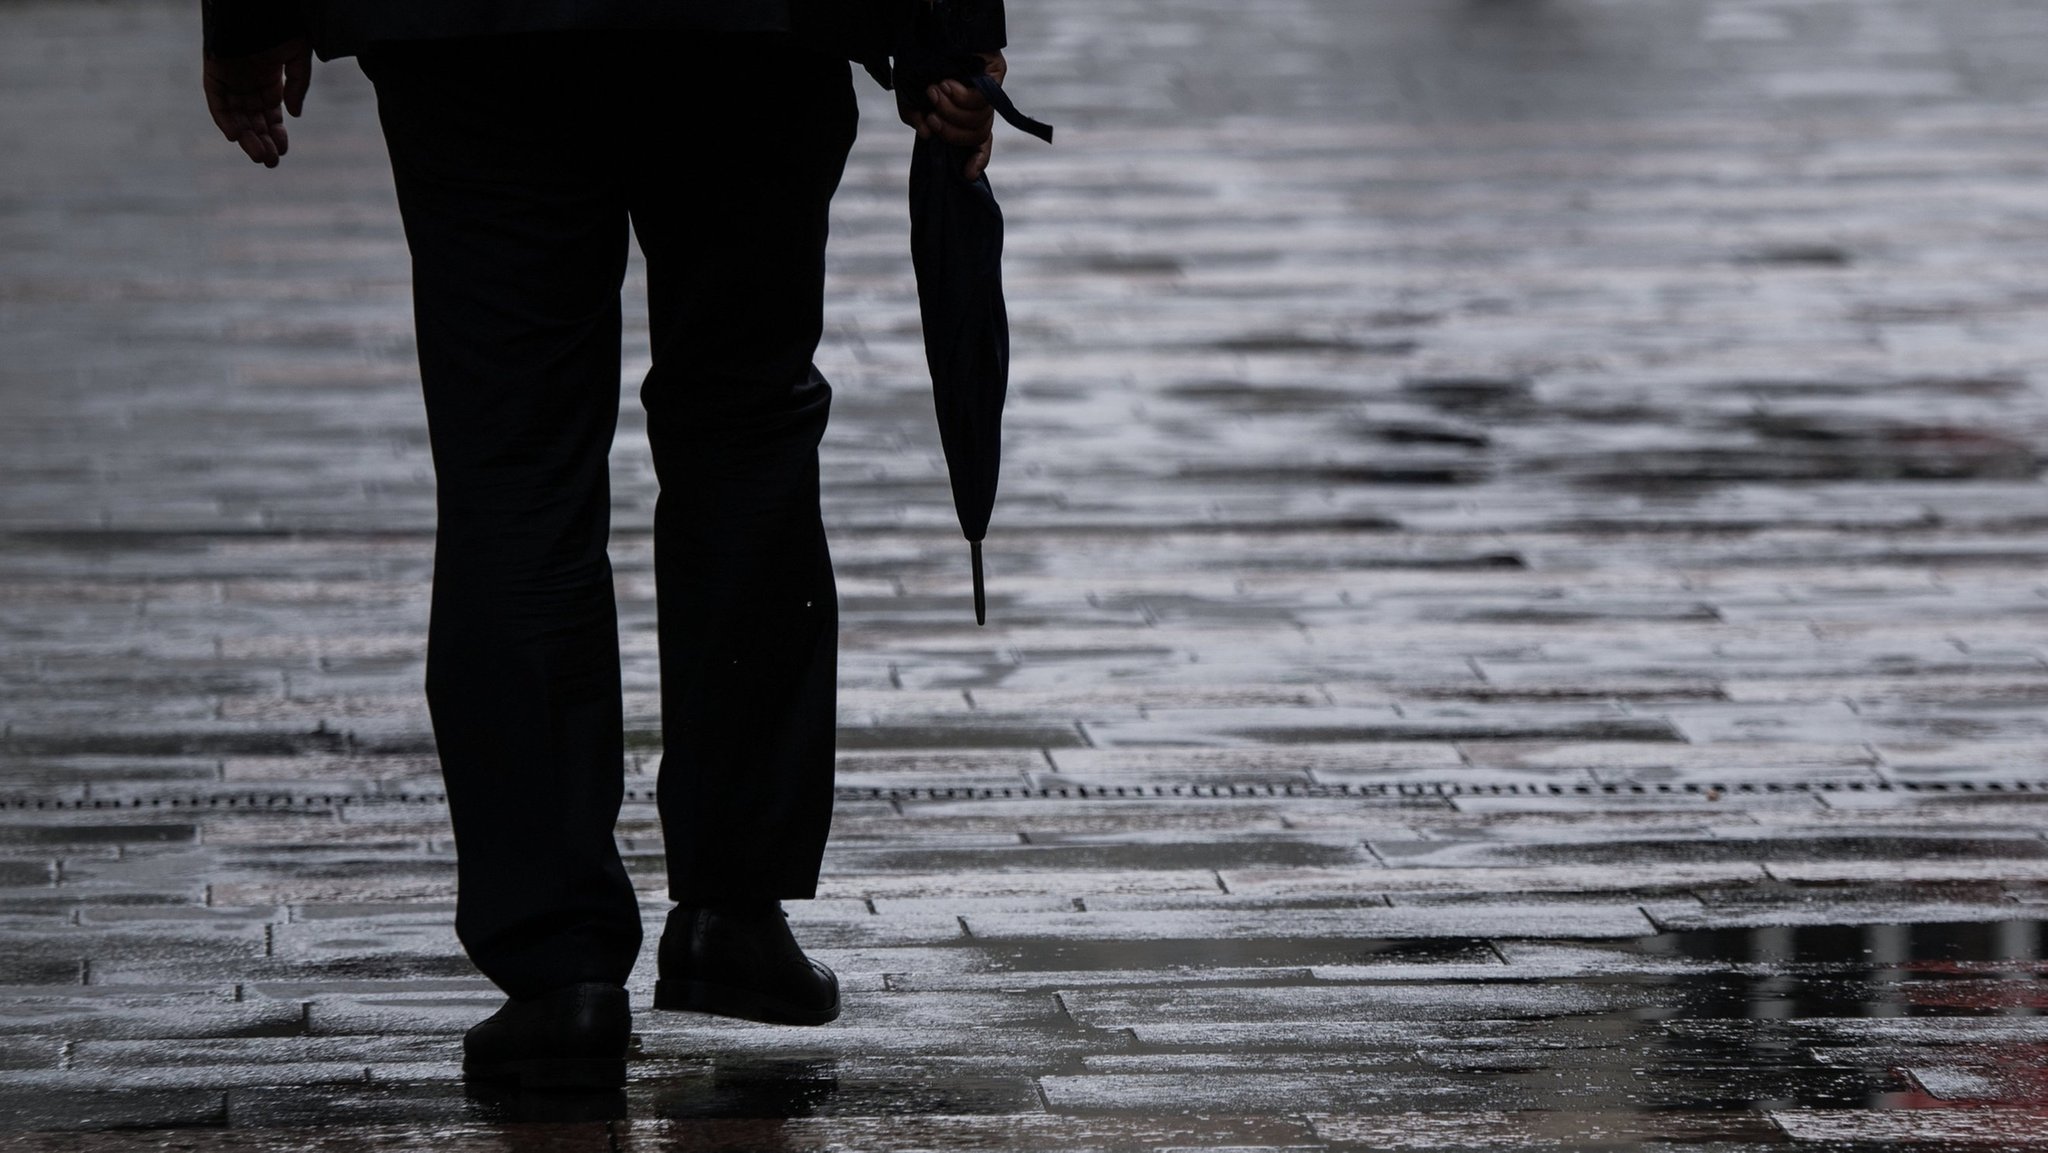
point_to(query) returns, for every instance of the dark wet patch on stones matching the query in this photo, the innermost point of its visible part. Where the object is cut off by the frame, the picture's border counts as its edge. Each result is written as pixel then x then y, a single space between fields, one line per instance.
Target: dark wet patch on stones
pixel 1697 850
pixel 53 835
pixel 1017 959
pixel 1980 386
pixel 1389 473
pixel 1408 432
pixel 427 1103
pixel 1676 689
pixel 1298 342
pixel 1044 851
pixel 1796 255
pixel 1348 556
pixel 18 874
pixel 198 742
pixel 1479 394
pixel 1113 263
pixel 38 773
pixel 1401 318
pixel 1916 312
pixel 47 1108
pixel 409 967
pixel 1248 397
pixel 797 1087
pixel 1452 729
pixel 1813 447
pixel 1578 613
pixel 1901 952
pixel 969 733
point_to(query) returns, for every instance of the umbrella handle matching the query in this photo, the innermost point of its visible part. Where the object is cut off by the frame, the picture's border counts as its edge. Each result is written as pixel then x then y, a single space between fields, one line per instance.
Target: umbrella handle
pixel 980 599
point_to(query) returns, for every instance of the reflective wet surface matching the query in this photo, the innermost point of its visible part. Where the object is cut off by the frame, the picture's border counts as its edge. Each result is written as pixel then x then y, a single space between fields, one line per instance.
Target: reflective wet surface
pixel 1517 615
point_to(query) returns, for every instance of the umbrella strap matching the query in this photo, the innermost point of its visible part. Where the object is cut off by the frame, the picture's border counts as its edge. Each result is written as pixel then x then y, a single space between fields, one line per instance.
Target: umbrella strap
pixel 1000 101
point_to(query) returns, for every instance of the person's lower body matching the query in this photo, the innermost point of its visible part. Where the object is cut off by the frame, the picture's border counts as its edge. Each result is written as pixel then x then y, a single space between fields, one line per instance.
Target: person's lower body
pixel 519 164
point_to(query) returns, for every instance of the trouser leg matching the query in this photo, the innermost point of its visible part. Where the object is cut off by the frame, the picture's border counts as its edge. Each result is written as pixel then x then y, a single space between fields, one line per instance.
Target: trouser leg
pixel 748 613
pixel 517 225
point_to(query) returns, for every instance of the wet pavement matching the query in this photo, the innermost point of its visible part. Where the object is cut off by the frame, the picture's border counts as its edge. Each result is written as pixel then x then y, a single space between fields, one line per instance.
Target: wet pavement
pixel 1516 609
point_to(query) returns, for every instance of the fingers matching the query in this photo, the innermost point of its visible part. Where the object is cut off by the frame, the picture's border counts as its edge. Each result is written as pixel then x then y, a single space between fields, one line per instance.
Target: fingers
pixel 961 95
pixel 978 163
pixel 274 124
pixel 259 147
pixel 959 116
pixel 994 64
pixel 298 76
pixel 262 136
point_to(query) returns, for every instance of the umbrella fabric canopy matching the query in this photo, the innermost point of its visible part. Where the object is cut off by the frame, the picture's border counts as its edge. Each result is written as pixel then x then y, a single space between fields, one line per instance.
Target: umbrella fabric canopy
pixel 956 248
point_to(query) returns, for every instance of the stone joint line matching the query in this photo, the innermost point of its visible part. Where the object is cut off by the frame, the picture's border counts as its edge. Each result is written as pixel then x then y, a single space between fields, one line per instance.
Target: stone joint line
pixel 195 799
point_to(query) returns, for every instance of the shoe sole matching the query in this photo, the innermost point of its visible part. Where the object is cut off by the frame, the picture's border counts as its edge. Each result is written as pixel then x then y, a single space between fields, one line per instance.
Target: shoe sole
pixel 552 1073
pixel 728 1001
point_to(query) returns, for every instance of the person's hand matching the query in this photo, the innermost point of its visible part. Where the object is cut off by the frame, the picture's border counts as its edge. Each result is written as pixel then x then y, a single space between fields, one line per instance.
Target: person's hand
pixel 249 95
pixel 959 115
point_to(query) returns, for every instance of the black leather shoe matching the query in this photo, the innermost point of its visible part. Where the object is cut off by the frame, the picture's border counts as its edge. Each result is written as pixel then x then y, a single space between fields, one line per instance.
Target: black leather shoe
pixel 741 962
pixel 572 1038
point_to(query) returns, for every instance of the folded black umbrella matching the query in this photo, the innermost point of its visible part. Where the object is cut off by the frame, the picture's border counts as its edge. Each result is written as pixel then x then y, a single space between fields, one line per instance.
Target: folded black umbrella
pixel 956 247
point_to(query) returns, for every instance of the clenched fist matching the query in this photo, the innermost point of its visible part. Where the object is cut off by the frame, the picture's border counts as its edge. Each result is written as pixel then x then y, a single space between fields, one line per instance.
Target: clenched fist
pixel 959 115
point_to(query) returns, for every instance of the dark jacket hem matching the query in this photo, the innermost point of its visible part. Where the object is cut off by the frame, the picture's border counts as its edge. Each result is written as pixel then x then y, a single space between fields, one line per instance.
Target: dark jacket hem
pixel 245 27
pixel 867 31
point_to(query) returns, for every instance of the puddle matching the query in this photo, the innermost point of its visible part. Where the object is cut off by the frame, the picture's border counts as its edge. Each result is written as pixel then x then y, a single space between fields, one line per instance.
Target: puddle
pixel 1946 969
pixel 1869 1016
pixel 758 1087
pixel 1877 951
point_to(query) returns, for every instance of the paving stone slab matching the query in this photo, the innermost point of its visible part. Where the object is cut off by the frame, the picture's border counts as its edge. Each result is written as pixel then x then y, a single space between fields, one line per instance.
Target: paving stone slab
pixel 1639 876
pixel 540 1136
pixel 1587 921
pixel 1280 1005
pixel 680 1041
pixel 1827 909
pixel 1267 1092
pixel 897 887
pixel 112 1107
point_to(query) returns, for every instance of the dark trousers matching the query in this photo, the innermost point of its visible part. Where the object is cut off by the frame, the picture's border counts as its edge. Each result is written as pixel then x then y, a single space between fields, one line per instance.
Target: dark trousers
pixel 519 163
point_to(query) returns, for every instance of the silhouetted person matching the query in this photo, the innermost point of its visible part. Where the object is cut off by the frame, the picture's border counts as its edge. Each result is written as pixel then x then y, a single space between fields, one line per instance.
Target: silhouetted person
pixel 524 139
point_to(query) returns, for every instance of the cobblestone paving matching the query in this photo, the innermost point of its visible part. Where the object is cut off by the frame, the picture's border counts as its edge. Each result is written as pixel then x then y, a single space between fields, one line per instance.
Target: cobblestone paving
pixel 1517 614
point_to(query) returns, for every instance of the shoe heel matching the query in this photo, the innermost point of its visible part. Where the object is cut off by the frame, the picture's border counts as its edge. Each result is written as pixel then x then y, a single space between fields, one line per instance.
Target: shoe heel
pixel 744 1004
pixel 679 996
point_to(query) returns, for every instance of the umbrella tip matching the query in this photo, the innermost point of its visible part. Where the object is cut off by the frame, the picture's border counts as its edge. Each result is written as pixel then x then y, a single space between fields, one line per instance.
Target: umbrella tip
pixel 980 598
